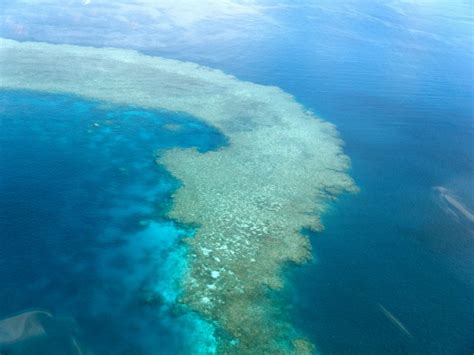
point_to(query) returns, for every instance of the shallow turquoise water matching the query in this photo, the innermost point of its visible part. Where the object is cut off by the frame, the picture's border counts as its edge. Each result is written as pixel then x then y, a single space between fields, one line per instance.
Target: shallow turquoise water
pixel 396 79
pixel 81 215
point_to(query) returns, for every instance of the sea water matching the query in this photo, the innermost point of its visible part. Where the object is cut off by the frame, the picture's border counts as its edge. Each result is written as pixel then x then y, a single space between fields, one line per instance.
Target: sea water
pixel 396 79
pixel 401 95
pixel 83 236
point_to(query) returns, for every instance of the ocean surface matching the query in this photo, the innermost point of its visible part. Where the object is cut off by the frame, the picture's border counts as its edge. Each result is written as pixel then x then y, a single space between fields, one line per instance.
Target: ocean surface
pixel 393 271
pixel 105 257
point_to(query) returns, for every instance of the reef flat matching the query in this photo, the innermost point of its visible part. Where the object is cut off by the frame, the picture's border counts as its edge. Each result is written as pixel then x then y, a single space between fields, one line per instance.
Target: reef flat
pixel 249 200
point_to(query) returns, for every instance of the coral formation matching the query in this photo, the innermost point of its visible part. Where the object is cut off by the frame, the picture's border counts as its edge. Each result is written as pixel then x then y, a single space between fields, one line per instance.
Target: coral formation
pixel 250 199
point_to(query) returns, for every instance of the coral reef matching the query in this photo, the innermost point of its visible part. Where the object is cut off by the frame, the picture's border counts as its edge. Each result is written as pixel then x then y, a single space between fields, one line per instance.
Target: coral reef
pixel 250 199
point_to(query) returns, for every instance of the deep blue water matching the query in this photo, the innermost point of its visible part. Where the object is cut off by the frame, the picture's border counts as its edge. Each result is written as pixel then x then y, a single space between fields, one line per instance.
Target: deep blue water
pixel 394 245
pixel 399 88
pixel 82 201
pixel 405 113
pixel 396 77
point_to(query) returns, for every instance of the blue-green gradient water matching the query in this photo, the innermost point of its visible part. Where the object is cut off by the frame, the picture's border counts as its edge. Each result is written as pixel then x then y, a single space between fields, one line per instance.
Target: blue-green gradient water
pixel 396 78
pixel 81 215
